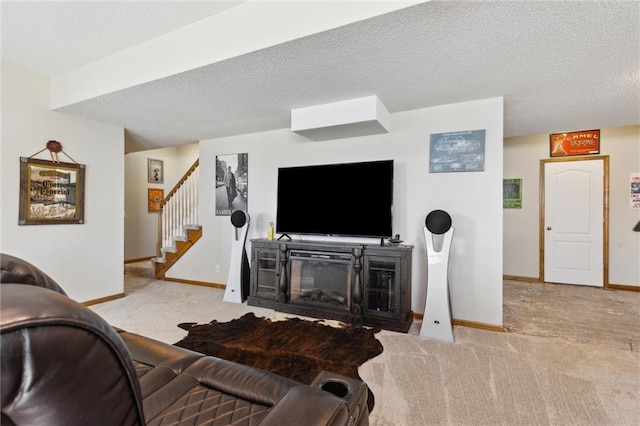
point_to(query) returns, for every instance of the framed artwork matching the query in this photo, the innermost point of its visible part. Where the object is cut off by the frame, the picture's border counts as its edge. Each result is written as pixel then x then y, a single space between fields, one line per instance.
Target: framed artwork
pixel 457 151
pixel 155 170
pixel 232 183
pixel 50 192
pixel 634 191
pixel 584 142
pixel 512 193
pixel 154 198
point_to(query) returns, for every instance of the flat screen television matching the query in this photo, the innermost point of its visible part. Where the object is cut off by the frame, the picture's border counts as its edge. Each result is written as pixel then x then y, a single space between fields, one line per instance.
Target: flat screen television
pixel 347 199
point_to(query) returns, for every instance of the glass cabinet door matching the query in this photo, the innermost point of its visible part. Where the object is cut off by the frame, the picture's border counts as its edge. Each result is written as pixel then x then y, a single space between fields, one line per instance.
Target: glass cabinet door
pixel 267 273
pixel 381 295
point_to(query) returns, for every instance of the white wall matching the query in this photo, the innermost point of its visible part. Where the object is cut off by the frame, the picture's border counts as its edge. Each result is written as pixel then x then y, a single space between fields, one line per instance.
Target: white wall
pixel 141 226
pixel 474 200
pixel 522 157
pixel 86 260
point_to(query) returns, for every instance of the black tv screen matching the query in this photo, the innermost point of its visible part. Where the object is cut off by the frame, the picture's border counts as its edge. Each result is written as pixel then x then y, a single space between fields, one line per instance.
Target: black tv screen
pixel 348 199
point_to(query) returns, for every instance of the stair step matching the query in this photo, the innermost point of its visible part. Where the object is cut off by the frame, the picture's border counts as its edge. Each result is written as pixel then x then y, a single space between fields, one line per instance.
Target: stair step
pixel 181 244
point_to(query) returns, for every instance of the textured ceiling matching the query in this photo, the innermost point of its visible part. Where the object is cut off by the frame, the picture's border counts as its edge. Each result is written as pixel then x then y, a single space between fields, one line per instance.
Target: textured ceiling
pixel 52 37
pixel 559 66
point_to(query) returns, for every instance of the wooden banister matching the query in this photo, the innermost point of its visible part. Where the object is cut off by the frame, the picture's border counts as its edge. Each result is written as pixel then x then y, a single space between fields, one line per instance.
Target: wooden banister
pixel 159 243
pixel 179 184
pixel 167 232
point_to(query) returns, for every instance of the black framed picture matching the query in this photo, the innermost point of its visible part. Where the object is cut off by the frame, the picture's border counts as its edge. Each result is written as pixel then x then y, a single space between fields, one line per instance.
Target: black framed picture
pixel 232 183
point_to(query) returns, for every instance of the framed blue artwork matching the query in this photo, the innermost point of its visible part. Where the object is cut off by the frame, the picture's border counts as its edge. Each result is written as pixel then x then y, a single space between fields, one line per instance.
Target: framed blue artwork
pixel 457 151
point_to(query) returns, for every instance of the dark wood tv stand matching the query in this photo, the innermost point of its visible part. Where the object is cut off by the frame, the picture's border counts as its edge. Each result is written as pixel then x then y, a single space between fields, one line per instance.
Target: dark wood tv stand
pixel 363 284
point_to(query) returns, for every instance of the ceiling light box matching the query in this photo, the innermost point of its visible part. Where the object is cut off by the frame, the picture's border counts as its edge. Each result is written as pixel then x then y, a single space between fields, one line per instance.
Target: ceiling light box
pixel 355 117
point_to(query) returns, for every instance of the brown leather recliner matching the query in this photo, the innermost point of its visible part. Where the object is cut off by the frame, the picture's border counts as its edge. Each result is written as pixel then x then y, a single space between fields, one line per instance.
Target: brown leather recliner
pixel 19 271
pixel 62 364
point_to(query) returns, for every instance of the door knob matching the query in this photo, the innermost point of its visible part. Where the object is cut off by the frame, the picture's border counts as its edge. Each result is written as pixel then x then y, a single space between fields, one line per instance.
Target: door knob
pixel 548 228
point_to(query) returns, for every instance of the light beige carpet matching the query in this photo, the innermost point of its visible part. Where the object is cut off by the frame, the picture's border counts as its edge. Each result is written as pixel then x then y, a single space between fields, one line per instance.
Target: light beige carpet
pixel 488 378
pixel 484 378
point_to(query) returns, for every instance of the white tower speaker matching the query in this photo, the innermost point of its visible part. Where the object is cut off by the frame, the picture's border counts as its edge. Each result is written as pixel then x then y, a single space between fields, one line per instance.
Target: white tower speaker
pixel 438 234
pixel 238 282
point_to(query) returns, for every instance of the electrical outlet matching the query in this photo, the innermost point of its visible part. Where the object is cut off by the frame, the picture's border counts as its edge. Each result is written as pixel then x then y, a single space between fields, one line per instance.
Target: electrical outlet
pixel 217 269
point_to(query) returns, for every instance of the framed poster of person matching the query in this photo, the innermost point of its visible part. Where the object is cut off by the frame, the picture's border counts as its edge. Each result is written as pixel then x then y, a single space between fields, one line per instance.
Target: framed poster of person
pixel 232 183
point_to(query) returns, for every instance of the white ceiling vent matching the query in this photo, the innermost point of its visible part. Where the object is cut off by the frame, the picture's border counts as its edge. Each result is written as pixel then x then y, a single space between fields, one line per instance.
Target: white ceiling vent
pixel 355 117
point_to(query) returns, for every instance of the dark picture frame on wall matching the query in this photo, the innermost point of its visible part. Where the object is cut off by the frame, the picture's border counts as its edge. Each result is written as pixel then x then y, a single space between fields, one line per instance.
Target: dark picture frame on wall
pixel 51 192
pixel 232 183
pixel 155 170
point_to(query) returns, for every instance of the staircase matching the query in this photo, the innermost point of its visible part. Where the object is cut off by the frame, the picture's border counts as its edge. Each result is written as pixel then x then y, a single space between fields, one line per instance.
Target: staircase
pixel 178 228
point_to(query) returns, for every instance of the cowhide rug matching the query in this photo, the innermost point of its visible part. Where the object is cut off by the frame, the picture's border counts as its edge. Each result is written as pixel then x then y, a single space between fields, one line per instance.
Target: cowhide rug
pixel 292 348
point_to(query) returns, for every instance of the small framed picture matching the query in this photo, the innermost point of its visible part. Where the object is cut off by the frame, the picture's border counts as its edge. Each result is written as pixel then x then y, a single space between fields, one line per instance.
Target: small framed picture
pixel 155 197
pixel 155 170
pixel 512 193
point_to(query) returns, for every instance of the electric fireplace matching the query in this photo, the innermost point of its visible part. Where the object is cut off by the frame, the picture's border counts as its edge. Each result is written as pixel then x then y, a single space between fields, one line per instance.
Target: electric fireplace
pixel 320 278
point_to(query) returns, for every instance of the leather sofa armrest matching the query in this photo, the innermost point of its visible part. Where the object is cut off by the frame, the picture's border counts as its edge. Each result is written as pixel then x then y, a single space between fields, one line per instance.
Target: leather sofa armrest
pixel 14 270
pixel 304 405
pixel 153 352
pixel 62 363
pixel 241 381
pixel 158 363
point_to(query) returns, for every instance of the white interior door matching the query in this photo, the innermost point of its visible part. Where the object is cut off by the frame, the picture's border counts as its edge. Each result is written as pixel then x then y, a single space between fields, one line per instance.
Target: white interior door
pixel 573 240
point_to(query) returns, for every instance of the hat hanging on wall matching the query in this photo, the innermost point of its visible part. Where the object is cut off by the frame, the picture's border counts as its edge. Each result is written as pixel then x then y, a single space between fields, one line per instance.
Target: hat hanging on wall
pixel 54 148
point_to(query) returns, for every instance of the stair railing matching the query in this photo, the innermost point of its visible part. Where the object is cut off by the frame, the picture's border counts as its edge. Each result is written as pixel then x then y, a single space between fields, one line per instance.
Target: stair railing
pixel 179 209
